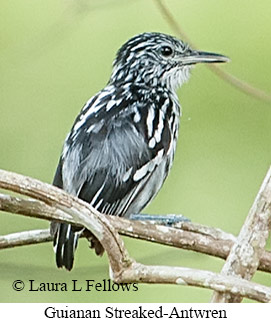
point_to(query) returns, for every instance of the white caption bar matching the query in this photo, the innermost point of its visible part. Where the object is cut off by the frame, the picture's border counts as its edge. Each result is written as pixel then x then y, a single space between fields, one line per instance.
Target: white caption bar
pixel 97 312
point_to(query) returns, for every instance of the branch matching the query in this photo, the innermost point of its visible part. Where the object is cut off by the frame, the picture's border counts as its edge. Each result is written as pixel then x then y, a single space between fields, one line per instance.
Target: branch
pixel 24 238
pixel 72 210
pixel 186 235
pixel 231 79
pixel 194 277
pixel 247 250
pixel 161 274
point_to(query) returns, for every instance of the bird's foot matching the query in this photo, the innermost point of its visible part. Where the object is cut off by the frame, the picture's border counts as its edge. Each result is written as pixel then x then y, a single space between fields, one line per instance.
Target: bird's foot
pixel 168 219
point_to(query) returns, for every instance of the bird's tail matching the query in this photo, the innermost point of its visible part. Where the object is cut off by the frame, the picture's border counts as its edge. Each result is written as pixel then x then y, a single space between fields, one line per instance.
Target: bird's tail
pixel 65 242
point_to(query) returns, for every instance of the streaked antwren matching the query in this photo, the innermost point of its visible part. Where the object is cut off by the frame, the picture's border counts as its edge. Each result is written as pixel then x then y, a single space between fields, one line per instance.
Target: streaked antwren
pixel 121 146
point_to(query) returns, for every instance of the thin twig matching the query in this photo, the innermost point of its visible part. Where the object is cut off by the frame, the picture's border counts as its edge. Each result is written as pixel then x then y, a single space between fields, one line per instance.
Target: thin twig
pixel 25 238
pixel 231 79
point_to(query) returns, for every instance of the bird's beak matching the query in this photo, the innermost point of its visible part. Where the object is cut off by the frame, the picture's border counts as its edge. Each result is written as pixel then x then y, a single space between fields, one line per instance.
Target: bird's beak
pixel 195 57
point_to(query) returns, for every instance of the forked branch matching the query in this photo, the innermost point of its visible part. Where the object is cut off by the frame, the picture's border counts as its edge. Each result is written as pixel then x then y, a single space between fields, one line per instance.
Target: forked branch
pixel 51 203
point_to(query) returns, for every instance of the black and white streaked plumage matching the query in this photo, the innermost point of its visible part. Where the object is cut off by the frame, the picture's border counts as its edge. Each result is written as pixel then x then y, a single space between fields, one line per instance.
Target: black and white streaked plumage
pixel 121 146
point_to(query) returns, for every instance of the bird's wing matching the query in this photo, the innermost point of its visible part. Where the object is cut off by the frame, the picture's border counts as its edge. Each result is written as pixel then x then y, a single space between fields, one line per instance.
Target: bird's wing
pixel 58 175
pixel 108 158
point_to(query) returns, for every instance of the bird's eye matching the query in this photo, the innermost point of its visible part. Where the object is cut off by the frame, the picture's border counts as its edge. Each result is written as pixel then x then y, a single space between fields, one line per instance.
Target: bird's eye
pixel 166 51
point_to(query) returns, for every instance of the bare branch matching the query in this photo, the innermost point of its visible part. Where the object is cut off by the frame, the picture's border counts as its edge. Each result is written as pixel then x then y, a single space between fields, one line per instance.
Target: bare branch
pixel 194 277
pixel 231 79
pixel 123 268
pixel 186 235
pixel 246 252
pixel 177 275
pixel 24 238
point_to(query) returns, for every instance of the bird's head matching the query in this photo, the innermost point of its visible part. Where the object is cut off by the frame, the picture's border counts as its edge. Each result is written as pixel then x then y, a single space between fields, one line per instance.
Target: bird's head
pixel 158 59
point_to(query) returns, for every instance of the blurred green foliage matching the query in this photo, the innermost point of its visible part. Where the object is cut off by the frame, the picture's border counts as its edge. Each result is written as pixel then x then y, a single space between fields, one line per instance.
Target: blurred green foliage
pixel 54 55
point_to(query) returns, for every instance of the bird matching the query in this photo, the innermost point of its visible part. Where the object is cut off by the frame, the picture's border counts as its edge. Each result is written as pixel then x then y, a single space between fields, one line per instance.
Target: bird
pixel 121 146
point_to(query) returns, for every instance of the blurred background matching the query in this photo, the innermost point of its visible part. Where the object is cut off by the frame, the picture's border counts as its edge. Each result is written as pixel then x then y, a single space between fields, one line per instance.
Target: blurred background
pixel 54 55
